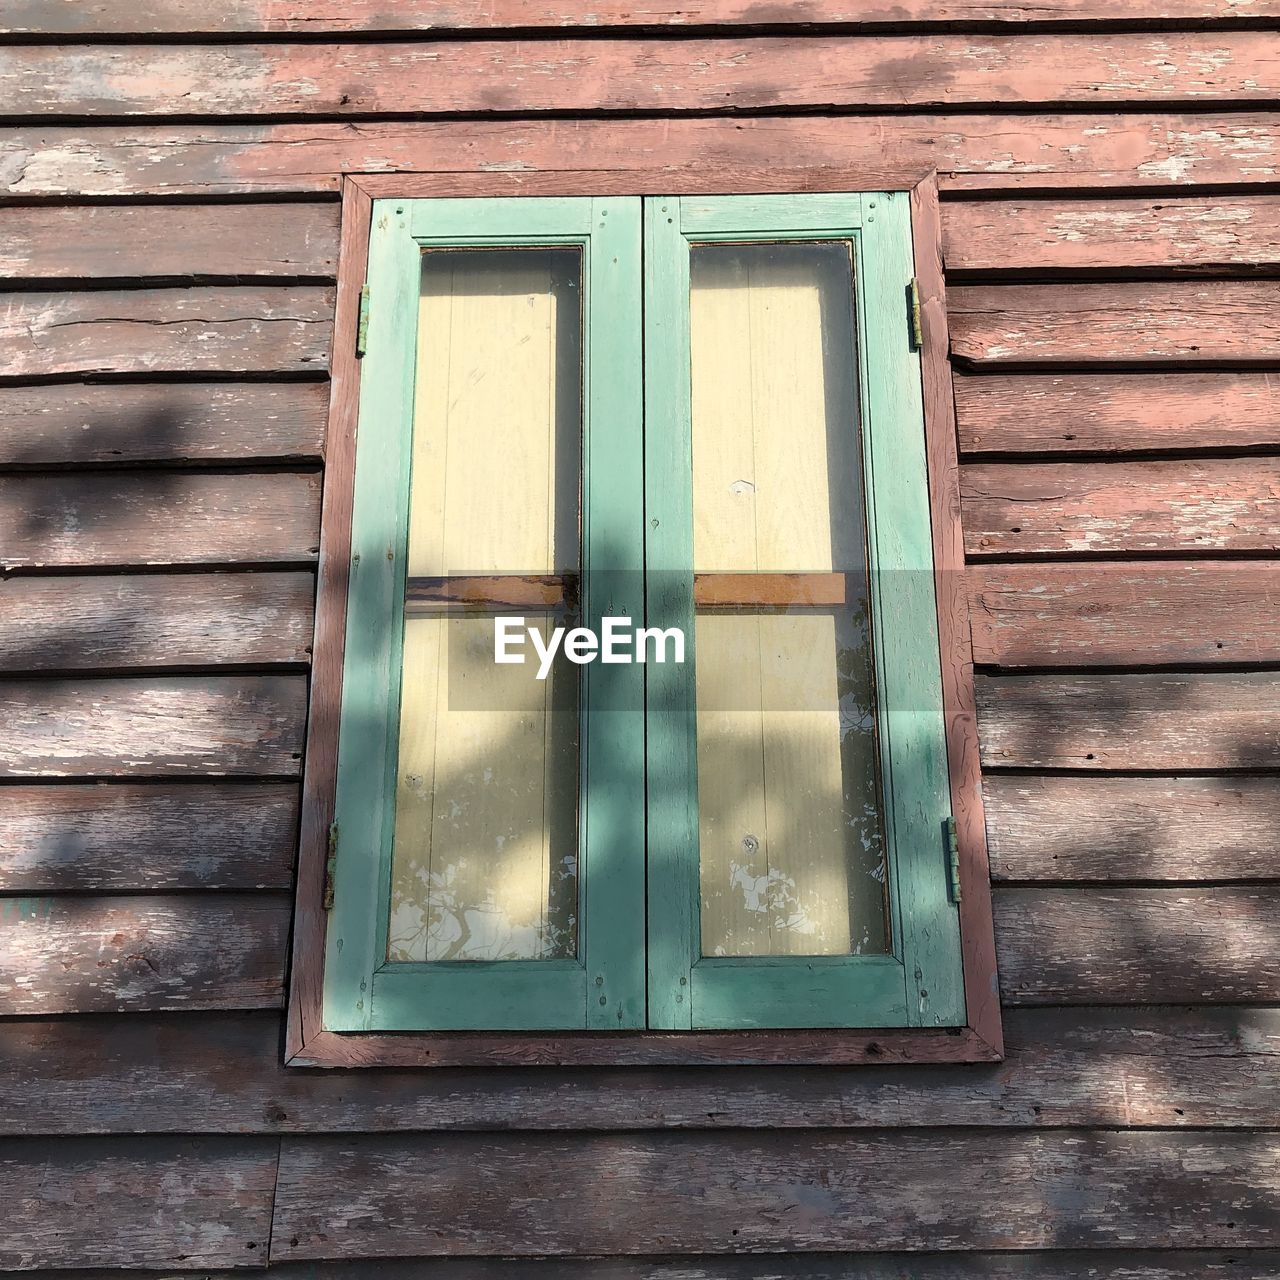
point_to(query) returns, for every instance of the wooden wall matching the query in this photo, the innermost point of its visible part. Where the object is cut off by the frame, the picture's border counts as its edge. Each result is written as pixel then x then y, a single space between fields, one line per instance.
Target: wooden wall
pixel 169 172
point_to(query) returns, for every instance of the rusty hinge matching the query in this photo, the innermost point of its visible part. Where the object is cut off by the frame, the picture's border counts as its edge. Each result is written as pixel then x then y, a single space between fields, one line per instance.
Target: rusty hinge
pixel 953 859
pixel 330 867
pixel 362 327
pixel 913 314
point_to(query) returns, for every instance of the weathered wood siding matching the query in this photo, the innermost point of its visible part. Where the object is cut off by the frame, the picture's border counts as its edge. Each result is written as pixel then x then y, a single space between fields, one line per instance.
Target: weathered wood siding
pixel 168 239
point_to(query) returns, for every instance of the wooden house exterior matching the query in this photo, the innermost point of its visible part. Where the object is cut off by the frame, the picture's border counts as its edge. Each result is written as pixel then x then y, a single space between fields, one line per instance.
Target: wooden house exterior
pixel 179 182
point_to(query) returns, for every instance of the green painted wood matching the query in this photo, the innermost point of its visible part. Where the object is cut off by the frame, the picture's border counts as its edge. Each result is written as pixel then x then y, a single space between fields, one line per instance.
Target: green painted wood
pixel 920 984
pixel 604 987
pixel 904 618
pixel 370 686
pixel 613 826
pixel 671 742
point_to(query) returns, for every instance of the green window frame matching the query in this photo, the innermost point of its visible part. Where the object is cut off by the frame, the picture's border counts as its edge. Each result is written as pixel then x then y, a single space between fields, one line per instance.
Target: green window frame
pixel 639 964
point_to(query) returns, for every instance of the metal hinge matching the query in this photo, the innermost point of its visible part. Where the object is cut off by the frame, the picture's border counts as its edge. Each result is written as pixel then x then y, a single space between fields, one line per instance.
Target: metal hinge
pixel 913 314
pixel 362 327
pixel 330 867
pixel 953 859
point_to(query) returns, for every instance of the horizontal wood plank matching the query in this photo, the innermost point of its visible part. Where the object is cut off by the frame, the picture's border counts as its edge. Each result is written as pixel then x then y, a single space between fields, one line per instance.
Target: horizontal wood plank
pixel 1058 235
pixel 1080 509
pixel 178 726
pixel 1139 946
pixel 191 17
pixel 1188 321
pixel 1071 828
pixel 223 329
pixel 154 620
pixel 1116 412
pixel 1163 1264
pixel 1205 1067
pixel 71 424
pixel 86 955
pixel 688 74
pixel 974 151
pixel 103 242
pixel 1127 615
pixel 1131 722
pixel 158 1202
pixel 111 518
pixel 126 838
pixel 741 1193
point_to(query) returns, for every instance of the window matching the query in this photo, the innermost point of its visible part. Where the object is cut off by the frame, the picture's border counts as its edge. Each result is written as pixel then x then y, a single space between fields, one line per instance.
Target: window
pixel 688 430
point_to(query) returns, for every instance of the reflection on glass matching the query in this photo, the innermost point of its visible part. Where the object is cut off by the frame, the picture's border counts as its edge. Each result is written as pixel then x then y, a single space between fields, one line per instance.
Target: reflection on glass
pixel 790 830
pixel 484 863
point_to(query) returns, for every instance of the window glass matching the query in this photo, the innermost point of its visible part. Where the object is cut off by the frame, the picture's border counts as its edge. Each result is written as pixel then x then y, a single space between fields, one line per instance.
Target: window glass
pixel 485 853
pixel 790 832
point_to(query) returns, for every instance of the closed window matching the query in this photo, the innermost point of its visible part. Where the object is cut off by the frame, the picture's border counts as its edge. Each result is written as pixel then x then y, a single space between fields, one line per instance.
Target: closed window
pixel 641 722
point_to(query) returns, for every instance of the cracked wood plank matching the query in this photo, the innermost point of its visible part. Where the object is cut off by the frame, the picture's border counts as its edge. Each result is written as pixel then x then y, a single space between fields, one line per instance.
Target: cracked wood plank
pixel 180 620
pixel 1125 615
pixel 1059 235
pixel 224 329
pixel 1116 412
pixel 1049 827
pixel 178 726
pixel 972 151
pixel 1199 1264
pixel 194 17
pixel 473 77
pixel 750 1192
pixel 93 955
pixel 103 242
pixel 1172 723
pixel 110 518
pixel 1220 504
pixel 1190 321
pixel 70 423
pixel 134 837
pixel 1186 945
pixel 136 1202
pixel 1182 1068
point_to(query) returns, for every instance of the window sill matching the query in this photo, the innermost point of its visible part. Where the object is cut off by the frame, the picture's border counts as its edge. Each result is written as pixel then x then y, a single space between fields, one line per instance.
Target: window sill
pixel 646 1049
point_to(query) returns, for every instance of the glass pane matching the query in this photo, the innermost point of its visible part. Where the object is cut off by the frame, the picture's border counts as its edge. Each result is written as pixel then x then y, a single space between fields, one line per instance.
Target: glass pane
pixel 790 831
pixel 485 850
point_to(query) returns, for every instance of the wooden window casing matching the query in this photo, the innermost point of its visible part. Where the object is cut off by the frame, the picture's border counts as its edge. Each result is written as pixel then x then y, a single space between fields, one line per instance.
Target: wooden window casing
pixel 975 1035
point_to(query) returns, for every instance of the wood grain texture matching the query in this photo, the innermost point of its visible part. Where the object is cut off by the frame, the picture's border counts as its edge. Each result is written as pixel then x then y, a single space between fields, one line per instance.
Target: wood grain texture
pixel 1199 1067
pixel 191 17
pixel 1071 828
pixel 103 519
pixel 740 1193
pixel 227 329
pixel 180 726
pixel 86 954
pixel 1058 235
pixel 324 707
pixel 1125 615
pixel 1191 321
pixel 1117 412
pixel 96 242
pixel 1158 722
pixel 1139 946
pixel 1081 509
pixel 159 1202
pixel 971 152
pixel 982 1004
pixel 669 75
pixel 1197 1264
pixel 171 620
pixel 142 837
pixel 70 423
